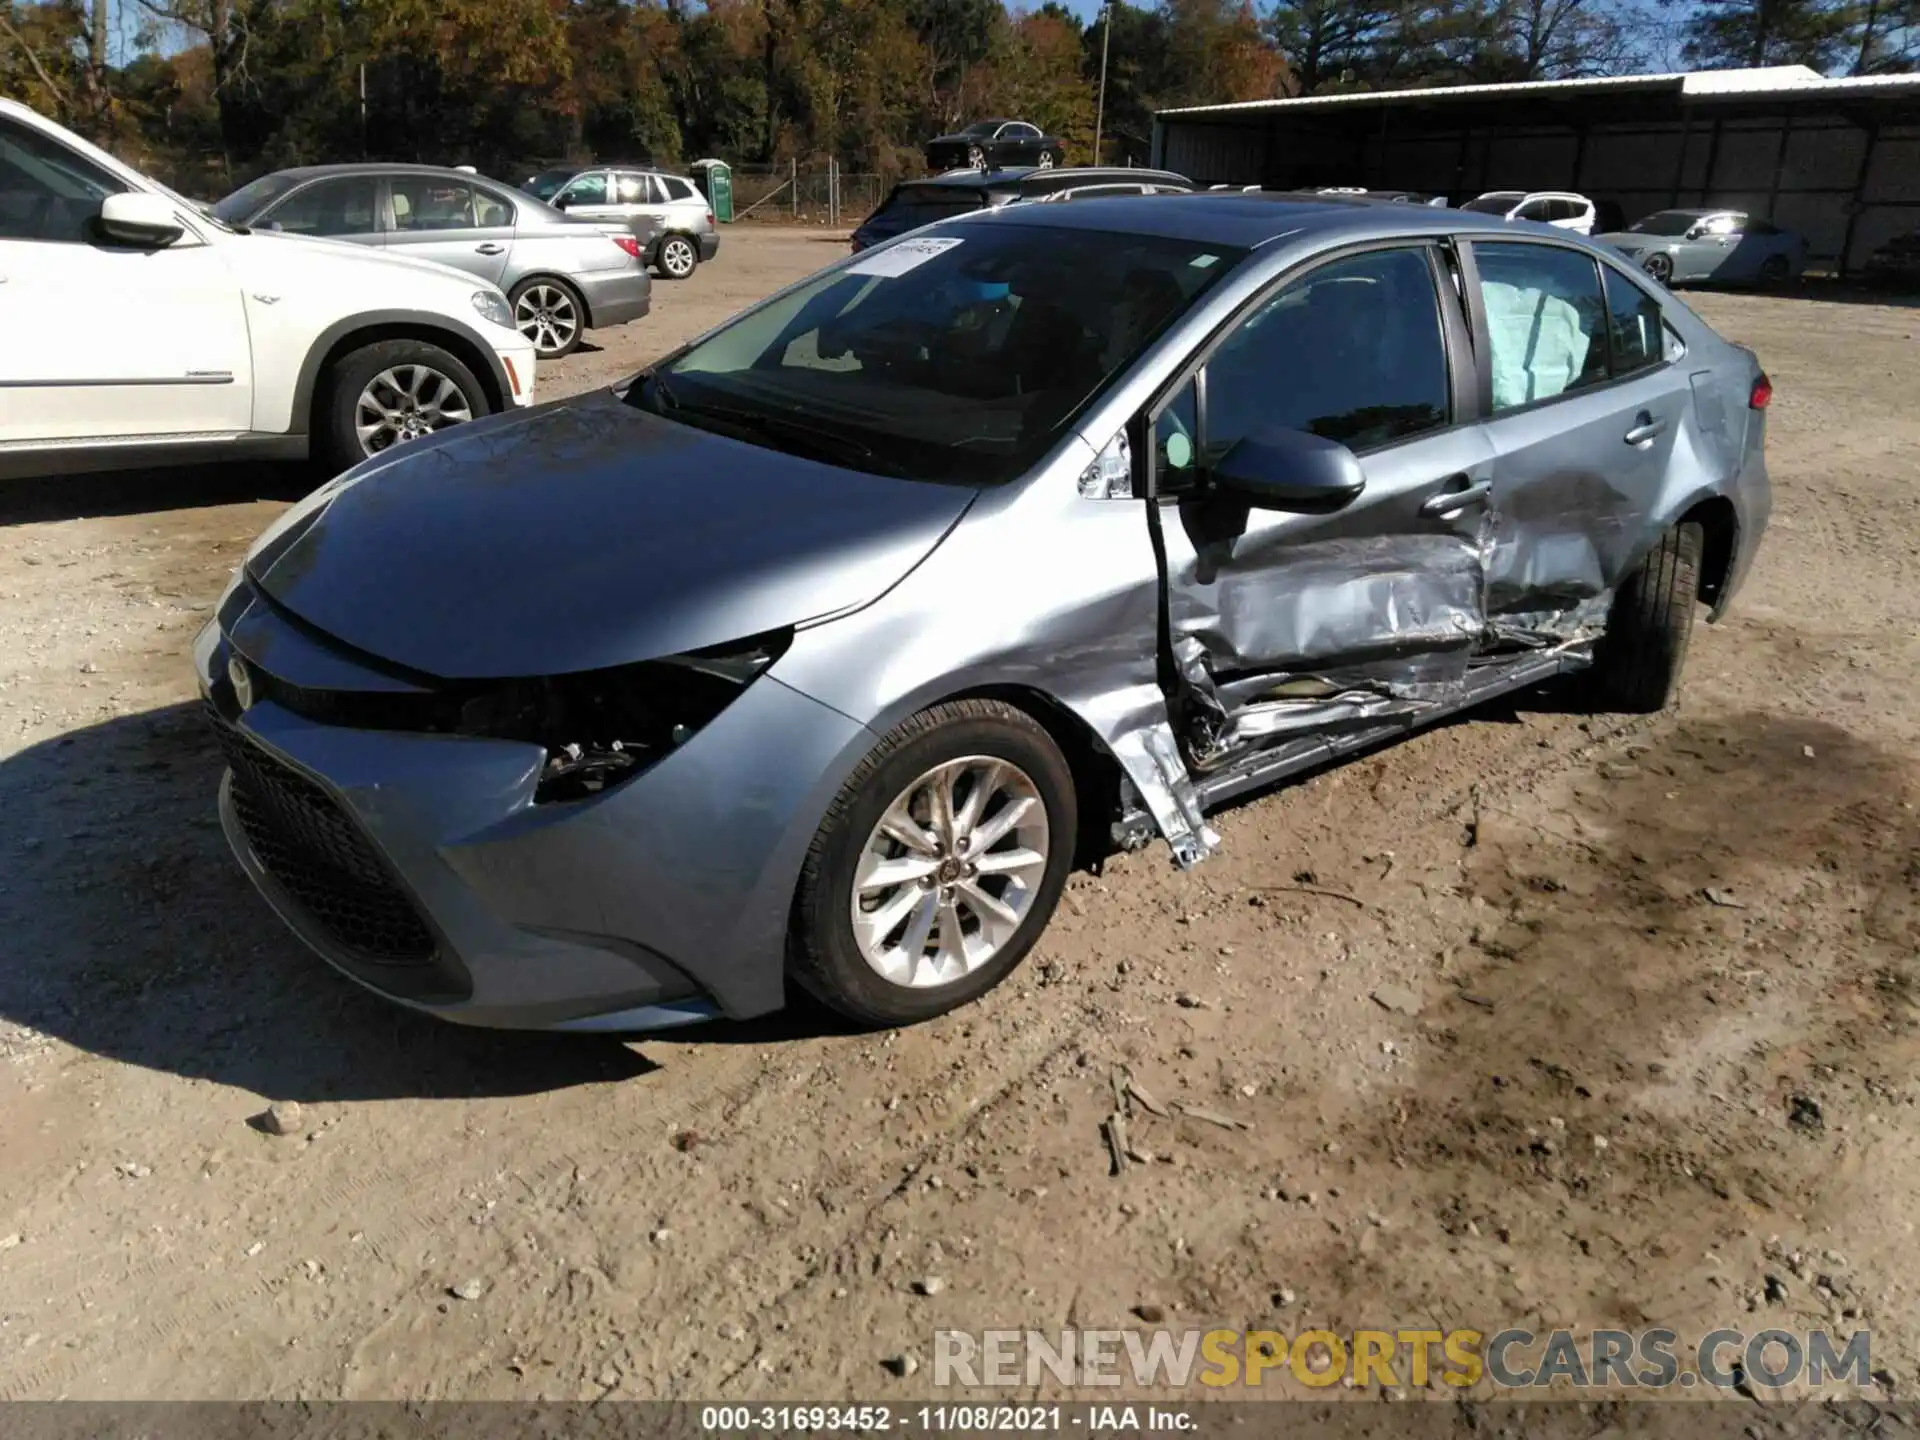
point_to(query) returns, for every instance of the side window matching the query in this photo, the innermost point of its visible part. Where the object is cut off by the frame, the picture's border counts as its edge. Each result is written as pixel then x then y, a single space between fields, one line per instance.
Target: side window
pixel 426 202
pixel 1020 132
pixel 342 206
pixel 587 189
pixel 491 210
pixel 677 189
pixel 1544 312
pixel 1352 352
pixel 46 191
pixel 1725 224
pixel 1535 210
pixel 1176 443
pixel 628 189
pixel 1634 327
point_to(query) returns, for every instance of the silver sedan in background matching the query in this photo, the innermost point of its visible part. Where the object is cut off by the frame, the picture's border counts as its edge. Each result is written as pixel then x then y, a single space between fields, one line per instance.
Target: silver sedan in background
pixel 1727 247
pixel 562 276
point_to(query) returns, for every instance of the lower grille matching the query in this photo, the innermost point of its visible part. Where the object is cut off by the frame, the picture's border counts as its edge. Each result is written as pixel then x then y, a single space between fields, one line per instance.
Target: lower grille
pixel 302 837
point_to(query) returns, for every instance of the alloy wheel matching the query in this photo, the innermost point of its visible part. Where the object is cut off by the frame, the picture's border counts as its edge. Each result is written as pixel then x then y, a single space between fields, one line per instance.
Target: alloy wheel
pixel 677 257
pixel 976 158
pixel 546 315
pixel 405 402
pixel 1660 267
pixel 950 872
pixel 1046 160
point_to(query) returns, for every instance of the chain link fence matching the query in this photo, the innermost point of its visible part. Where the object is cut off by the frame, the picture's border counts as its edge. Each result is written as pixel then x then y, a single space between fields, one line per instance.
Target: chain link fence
pixel 806 195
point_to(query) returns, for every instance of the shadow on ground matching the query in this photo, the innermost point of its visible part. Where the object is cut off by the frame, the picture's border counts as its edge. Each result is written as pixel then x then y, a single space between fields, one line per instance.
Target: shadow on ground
pixel 132 934
pixel 152 490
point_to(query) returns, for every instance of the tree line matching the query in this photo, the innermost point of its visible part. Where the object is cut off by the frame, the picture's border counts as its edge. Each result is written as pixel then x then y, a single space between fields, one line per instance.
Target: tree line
pixel 212 92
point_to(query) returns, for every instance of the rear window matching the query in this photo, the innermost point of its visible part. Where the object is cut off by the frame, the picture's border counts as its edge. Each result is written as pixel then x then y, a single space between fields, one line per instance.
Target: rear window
pixel 547 183
pixel 1498 203
pixel 923 204
pixel 677 189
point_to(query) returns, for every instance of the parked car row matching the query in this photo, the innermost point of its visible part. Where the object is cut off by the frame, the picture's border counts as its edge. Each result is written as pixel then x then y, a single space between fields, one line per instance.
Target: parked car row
pixel 162 332
pixel 668 211
pixel 562 276
pixel 914 203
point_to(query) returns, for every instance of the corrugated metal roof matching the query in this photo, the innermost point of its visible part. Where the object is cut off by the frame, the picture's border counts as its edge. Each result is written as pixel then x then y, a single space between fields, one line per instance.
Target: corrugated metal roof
pixel 1772 79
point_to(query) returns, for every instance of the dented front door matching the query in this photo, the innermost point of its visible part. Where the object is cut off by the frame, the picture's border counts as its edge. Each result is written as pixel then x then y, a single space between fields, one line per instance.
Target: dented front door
pixel 1283 624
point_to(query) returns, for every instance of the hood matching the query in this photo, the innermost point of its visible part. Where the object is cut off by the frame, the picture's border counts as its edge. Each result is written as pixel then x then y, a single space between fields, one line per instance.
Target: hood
pixel 587 534
pixel 347 252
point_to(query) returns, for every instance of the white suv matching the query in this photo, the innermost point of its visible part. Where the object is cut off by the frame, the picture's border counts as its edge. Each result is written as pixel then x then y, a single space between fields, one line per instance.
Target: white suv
pixel 140 330
pixel 1559 208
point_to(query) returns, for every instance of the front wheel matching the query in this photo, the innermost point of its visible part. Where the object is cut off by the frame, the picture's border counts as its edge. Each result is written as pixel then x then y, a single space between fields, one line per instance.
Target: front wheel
pixel 1046 159
pixel 678 257
pixel 1660 267
pixel 976 158
pixel 383 395
pixel 1636 666
pixel 937 866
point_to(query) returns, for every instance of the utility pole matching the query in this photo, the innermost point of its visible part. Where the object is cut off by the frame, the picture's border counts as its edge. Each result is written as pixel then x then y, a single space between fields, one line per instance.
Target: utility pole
pixel 363 110
pixel 1100 109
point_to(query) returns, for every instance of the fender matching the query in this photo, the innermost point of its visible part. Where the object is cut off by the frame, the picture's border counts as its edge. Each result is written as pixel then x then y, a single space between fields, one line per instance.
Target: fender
pixel 468 344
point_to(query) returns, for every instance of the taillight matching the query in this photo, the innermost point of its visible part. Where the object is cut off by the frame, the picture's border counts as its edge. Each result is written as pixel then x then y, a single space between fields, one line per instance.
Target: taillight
pixel 709 217
pixel 628 244
pixel 1762 393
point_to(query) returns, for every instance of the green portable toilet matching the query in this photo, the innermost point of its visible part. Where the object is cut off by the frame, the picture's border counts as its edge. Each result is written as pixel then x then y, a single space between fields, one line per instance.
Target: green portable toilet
pixel 716 180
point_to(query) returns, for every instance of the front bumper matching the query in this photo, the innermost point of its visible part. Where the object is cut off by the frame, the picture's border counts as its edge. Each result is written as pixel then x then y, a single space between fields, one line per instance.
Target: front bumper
pixel 418 865
pixel 515 374
pixel 616 296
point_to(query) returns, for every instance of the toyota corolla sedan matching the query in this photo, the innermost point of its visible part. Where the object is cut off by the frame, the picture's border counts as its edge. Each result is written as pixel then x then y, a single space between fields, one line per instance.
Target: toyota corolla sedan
pixel 819 654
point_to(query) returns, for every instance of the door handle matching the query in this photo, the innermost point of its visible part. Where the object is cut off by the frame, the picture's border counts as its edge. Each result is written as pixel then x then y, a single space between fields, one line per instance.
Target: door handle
pixel 1646 430
pixel 1451 502
pixel 489 248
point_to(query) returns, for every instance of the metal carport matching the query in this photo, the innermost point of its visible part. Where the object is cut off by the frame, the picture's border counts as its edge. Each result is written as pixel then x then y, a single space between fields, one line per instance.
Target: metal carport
pixel 1838 160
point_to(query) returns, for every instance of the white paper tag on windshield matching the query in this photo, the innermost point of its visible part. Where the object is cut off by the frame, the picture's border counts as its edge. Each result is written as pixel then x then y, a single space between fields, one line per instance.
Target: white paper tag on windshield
pixel 898 259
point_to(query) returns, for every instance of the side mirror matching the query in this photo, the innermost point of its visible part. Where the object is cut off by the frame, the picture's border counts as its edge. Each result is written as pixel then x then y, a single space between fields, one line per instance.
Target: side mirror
pixel 137 218
pixel 560 202
pixel 1278 469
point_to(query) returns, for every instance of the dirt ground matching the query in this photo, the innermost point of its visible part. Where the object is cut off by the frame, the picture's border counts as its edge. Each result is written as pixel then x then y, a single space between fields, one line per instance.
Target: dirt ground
pixel 1644 1034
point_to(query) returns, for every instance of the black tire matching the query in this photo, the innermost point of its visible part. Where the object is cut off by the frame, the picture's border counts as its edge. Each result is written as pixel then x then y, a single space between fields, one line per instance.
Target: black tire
pixel 1638 662
pixel 567 307
pixel 1660 267
pixel 337 439
pixel 976 158
pixel 824 955
pixel 1776 271
pixel 678 257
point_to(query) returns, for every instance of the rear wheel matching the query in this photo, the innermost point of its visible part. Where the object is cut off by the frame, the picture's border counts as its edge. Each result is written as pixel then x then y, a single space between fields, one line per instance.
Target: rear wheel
pixel 1637 665
pixel 937 866
pixel 550 314
pixel 976 158
pixel 678 257
pixel 1776 271
pixel 1046 159
pixel 383 395
pixel 1660 267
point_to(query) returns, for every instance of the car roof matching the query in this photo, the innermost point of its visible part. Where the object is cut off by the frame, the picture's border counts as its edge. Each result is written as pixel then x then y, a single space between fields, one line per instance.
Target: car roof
pixel 381 167
pixel 1056 177
pixel 1249 220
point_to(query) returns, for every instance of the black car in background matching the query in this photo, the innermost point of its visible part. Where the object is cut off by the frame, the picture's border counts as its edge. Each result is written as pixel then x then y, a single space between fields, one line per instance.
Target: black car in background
pixel 1897 261
pixel 995 145
pixel 914 203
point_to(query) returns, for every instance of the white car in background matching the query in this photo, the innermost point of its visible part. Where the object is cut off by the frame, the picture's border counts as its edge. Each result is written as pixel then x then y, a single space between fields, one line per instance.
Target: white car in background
pixel 1558 208
pixel 140 330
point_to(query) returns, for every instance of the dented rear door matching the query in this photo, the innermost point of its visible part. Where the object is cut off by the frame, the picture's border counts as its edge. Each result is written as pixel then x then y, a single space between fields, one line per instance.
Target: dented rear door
pixel 1281 624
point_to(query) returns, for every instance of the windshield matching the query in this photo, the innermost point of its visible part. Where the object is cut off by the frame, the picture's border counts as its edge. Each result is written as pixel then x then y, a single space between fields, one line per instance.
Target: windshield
pixel 915 205
pixel 1498 203
pixel 547 183
pixel 957 356
pixel 1666 222
pixel 253 197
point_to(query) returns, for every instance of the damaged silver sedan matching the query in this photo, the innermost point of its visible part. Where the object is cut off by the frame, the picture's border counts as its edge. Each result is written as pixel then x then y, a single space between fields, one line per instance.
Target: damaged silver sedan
pixel 822 652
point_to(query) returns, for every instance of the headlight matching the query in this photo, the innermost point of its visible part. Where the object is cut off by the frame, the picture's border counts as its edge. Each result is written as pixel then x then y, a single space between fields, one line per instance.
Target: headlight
pixel 493 306
pixel 603 727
